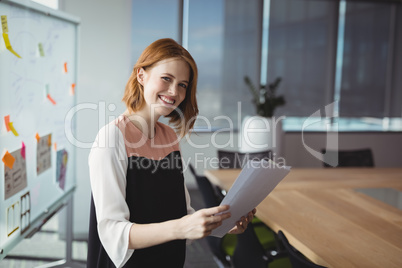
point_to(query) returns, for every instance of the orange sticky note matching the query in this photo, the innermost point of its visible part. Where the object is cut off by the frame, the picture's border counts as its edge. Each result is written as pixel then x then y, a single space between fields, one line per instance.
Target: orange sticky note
pixel 72 91
pixel 7 122
pixel 37 137
pixel 65 67
pixel 51 99
pixel 49 140
pixel 13 129
pixel 55 146
pixel 8 160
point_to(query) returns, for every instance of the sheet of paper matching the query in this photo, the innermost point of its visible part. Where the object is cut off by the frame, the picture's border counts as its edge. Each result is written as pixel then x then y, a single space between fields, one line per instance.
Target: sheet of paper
pixel 61 167
pixel 43 154
pixel 254 183
pixel 15 177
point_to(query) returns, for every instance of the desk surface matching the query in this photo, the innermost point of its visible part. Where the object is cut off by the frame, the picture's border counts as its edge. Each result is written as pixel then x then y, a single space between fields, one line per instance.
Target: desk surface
pixel 327 220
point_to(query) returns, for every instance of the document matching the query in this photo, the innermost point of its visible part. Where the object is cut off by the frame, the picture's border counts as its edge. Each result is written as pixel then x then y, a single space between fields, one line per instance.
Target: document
pixel 256 180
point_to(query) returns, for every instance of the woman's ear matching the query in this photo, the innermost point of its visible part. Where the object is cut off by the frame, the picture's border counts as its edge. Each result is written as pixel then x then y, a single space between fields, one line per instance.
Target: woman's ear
pixel 140 76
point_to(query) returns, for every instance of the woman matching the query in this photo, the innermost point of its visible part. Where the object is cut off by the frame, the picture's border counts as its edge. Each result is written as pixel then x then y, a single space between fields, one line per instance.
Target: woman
pixel 141 214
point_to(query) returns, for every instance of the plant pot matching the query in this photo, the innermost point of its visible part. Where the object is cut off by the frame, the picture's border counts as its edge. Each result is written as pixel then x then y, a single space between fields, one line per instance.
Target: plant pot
pixel 259 133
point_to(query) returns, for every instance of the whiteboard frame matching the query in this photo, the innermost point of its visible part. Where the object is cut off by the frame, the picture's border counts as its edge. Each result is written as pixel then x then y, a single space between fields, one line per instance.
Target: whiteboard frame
pixel 66 198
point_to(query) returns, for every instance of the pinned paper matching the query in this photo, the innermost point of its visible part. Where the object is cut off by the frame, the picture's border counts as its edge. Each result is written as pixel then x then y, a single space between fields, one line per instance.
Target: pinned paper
pixel 51 99
pixel 12 129
pixel 41 51
pixel 23 150
pixel 37 137
pixel 43 154
pixel 7 122
pixel 65 67
pixel 72 91
pixel 8 160
pixel 62 157
pixel 15 178
pixel 4 26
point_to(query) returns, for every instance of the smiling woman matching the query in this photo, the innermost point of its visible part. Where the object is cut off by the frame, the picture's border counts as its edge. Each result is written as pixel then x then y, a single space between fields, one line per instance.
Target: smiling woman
pixel 140 212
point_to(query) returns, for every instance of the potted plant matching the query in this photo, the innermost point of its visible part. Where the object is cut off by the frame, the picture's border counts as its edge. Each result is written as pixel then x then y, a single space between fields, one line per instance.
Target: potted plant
pixel 265 100
pixel 262 132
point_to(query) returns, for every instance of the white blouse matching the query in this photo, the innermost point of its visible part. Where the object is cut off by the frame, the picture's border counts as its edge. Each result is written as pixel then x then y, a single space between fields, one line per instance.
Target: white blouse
pixel 108 164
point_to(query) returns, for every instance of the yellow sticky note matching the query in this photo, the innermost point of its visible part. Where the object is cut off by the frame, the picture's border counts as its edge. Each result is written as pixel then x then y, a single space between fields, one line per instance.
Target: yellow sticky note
pixel 41 51
pixel 8 160
pixel 6 40
pixel 49 140
pixel 8 45
pixel 4 25
pixel 12 129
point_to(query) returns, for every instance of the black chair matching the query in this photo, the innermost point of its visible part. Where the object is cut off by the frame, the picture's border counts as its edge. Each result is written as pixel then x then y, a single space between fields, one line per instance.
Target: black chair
pixel 221 248
pixel 250 253
pixel 297 259
pixel 348 158
pixel 233 159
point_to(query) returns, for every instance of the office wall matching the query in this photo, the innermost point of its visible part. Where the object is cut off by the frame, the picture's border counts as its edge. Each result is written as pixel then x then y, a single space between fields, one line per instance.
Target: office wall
pixel 103 69
pixel 104 66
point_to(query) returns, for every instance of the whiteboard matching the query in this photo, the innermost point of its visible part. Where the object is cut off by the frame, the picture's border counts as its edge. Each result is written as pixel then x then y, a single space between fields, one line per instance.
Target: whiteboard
pixel 38 98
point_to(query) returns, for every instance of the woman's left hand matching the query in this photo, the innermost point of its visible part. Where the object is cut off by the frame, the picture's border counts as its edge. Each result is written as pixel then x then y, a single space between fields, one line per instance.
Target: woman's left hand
pixel 241 225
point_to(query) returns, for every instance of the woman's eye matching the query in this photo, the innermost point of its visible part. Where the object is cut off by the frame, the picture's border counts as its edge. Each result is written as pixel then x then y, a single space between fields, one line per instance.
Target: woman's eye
pixel 166 78
pixel 183 85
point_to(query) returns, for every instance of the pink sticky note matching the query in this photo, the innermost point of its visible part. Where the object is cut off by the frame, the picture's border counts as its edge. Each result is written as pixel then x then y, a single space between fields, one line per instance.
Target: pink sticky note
pixel 23 150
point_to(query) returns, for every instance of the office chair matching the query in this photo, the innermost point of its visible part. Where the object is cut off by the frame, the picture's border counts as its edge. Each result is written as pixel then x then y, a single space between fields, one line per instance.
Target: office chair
pixel 348 158
pixel 250 253
pixel 221 248
pixel 233 159
pixel 297 259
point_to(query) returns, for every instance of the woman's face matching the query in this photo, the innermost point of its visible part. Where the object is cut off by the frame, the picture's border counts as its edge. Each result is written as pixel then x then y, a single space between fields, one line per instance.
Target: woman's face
pixel 165 85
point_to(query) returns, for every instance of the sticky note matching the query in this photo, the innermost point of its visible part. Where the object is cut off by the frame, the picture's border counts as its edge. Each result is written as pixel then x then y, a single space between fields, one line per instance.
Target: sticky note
pixel 37 137
pixel 65 67
pixel 8 160
pixel 23 150
pixel 55 146
pixel 7 122
pixel 4 25
pixel 72 91
pixel 41 51
pixel 49 140
pixel 51 99
pixel 12 129
pixel 8 45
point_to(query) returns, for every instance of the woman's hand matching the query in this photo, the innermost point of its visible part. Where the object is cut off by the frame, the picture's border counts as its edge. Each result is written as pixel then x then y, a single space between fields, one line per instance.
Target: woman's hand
pixel 242 224
pixel 202 222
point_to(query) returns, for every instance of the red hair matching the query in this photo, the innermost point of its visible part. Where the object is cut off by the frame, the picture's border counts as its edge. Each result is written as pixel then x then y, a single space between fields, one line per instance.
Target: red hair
pixel 183 117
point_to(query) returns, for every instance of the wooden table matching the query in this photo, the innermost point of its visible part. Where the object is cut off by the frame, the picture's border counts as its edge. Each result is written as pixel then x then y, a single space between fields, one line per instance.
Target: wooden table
pixel 327 220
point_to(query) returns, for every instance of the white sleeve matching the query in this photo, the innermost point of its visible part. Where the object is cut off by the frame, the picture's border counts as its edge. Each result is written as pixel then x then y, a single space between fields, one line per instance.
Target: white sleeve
pixel 107 171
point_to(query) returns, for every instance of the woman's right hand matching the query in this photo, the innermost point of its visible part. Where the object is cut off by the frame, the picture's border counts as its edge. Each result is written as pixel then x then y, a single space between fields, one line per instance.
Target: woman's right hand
pixel 202 222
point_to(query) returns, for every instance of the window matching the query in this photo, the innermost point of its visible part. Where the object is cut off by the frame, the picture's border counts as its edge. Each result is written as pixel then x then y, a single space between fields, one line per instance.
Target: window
pixel 324 51
pixel 152 20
